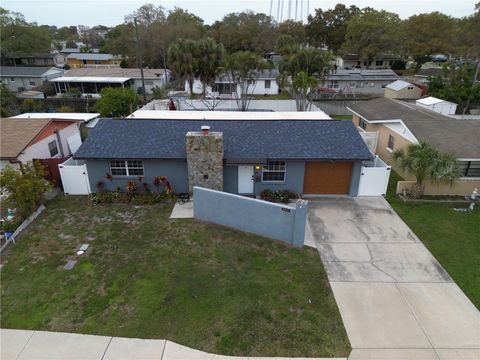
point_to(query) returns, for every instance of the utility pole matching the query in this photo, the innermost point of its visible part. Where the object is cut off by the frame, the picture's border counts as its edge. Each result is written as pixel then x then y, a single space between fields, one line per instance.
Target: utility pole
pixel 473 85
pixel 140 62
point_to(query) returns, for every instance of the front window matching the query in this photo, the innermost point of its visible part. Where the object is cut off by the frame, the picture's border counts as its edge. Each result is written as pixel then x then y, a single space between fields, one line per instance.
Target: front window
pixel 274 171
pixel 379 62
pixel 32 83
pixel 52 147
pixel 126 167
pixel 267 84
pixel 391 142
pixel 469 168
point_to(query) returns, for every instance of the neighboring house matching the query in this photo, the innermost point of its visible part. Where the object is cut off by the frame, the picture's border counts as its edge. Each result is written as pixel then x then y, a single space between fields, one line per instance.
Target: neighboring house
pixel 423 74
pixel 21 78
pixel 360 82
pixel 80 60
pixel 33 59
pixel 230 115
pixel 90 81
pixel 240 157
pixel 353 61
pixel 227 88
pixel 90 118
pixel 23 140
pixel 398 124
pixel 443 107
pixel 402 90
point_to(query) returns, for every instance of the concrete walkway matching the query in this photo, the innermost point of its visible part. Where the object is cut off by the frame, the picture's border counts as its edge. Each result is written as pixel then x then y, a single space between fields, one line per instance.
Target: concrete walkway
pixel 182 211
pixel 44 345
pixel 395 299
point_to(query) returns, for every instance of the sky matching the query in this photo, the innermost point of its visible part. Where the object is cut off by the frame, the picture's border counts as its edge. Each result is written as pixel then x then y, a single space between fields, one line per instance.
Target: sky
pixel 112 12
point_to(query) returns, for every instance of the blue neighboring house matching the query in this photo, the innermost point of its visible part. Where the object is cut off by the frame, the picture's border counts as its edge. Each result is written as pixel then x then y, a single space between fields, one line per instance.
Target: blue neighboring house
pixel 240 157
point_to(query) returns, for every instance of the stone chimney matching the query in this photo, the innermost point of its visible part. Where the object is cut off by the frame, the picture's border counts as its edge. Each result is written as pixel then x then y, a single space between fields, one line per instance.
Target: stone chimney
pixel 205 159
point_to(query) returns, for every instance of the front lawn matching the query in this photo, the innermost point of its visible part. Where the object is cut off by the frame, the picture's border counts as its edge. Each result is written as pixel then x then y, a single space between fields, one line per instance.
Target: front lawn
pixel 203 286
pixel 452 237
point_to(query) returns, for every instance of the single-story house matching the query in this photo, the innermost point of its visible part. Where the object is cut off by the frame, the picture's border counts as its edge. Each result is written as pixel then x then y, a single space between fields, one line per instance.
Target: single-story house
pixel 398 124
pixel 443 107
pixel 21 78
pixel 227 88
pixel 90 81
pixel 79 60
pixel 354 61
pixel 23 140
pixel 360 82
pixel 402 90
pixel 33 59
pixel 240 157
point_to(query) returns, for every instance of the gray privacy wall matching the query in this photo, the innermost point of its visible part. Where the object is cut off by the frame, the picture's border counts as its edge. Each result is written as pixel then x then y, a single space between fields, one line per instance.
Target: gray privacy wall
pixel 276 221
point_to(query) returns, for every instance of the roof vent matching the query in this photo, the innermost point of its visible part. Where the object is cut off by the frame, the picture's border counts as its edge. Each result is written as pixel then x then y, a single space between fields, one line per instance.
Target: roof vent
pixel 205 129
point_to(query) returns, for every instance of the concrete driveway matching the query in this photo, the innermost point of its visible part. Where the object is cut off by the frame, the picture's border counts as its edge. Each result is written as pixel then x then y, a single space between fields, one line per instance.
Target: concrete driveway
pixel 396 300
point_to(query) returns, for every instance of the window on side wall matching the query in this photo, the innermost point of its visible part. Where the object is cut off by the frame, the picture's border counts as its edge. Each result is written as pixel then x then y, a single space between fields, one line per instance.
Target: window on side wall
pixel 469 169
pixel 391 142
pixel 126 167
pixel 362 124
pixel 52 147
pixel 274 171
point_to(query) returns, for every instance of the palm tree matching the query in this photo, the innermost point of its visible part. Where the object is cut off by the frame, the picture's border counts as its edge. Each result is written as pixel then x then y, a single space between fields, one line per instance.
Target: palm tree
pixel 182 57
pixel 243 69
pixel 210 61
pixel 427 163
pixel 302 84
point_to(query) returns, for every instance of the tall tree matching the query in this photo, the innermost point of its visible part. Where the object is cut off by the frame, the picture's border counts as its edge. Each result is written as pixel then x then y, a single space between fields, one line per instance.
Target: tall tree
pixel 428 34
pixel 427 164
pixel 243 69
pixel 245 31
pixel 373 33
pixel 182 58
pixel 328 28
pixel 295 29
pixel 457 85
pixel 309 60
pixel 469 34
pixel 209 62
pixel 19 36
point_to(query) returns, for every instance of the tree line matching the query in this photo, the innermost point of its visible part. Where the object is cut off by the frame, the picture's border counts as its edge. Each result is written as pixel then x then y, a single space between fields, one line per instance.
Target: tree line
pixel 342 30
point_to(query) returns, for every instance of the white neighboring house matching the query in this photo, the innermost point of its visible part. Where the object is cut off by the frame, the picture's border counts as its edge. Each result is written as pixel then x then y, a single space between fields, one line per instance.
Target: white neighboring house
pixel 90 80
pixel 402 90
pixel 23 140
pixel 21 78
pixel 90 118
pixel 226 88
pixel 440 106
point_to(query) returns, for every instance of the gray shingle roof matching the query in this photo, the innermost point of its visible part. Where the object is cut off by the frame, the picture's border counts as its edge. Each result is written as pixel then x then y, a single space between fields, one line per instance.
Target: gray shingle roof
pixel 460 137
pixel 256 139
pixel 34 71
pixel 362 75
pixel 88 56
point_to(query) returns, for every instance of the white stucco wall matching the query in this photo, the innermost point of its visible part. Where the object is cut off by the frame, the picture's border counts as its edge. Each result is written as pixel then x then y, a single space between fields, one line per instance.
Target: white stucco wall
pixel 257 89
pixel 40 149
pixel 444 107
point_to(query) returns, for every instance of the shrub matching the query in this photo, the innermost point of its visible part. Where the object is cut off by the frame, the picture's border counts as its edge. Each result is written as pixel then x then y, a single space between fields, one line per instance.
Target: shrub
pixel 23 189
pixel 278 196
pixel 131 187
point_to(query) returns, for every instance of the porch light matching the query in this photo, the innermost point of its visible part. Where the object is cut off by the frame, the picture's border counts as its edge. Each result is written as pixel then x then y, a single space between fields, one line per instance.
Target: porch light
pixel 257 167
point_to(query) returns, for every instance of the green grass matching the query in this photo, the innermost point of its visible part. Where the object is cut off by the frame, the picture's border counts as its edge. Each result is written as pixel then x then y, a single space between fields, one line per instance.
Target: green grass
pixel 341 117
pixel 201 285
pixel 452 237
